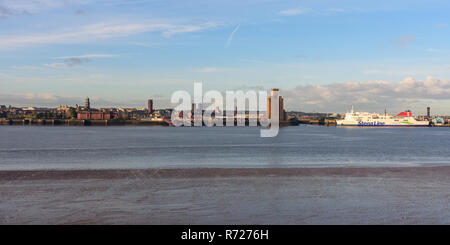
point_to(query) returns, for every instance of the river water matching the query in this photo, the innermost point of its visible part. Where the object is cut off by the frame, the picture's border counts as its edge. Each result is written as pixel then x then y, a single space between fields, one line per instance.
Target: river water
pixel 167 175
pixel 37 147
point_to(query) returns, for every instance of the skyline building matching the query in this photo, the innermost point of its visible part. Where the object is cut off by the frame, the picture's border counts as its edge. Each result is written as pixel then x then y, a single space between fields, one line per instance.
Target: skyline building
pixel 282 112
pixel 150 106
pixel 87 104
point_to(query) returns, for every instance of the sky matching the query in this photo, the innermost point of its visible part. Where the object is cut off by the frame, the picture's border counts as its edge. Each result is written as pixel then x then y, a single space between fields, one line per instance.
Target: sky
pixel 324 55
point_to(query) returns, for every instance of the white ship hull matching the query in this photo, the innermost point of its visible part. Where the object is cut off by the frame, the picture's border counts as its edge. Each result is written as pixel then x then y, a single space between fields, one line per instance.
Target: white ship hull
pixel 380 124
pixel 365 119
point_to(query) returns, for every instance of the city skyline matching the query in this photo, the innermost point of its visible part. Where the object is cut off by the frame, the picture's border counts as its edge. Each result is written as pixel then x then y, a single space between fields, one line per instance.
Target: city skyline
pixel 323 55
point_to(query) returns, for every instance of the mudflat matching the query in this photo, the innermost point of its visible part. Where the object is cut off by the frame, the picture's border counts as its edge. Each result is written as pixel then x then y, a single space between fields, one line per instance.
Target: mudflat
pixel 327 195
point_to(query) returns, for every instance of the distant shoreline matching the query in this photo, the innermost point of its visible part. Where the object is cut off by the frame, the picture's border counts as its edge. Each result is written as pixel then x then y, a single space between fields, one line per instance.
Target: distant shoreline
pixel 104 123
pixel 79 122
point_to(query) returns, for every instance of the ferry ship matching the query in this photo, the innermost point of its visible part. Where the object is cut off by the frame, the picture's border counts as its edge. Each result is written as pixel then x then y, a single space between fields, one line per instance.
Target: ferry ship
pixel 404 119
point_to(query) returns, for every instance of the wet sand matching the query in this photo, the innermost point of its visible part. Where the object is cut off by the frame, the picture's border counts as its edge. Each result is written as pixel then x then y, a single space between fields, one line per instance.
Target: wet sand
pixel 382 195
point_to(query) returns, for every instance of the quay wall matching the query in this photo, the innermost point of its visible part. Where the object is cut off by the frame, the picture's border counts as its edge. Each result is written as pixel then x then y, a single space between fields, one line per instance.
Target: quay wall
pixel 78 122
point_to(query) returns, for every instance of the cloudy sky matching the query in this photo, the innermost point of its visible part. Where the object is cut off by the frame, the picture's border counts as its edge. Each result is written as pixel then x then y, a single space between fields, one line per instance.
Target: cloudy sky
pixel 323 55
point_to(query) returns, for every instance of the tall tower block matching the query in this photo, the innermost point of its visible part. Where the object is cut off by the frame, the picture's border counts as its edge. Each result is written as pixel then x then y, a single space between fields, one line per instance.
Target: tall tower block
pixel 282 113
pixel 87 103
pixel 150 106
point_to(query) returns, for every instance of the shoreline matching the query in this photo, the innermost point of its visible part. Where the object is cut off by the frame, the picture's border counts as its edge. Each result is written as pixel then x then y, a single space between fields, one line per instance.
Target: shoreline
pixel 108 122
pixel 314 196
pixel 79 122
pixel 224 172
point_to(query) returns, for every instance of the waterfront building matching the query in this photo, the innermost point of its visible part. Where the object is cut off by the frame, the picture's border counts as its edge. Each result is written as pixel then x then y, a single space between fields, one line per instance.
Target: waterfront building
pixel 87 104
pixel 282 112
pixel 150 106
pixel 94 115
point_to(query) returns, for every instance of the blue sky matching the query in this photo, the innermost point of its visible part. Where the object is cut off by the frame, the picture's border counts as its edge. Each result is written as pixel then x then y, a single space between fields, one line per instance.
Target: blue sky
pixel 323 55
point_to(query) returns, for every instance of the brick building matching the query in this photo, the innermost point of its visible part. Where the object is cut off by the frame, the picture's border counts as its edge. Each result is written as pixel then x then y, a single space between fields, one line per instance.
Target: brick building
pixel 90 115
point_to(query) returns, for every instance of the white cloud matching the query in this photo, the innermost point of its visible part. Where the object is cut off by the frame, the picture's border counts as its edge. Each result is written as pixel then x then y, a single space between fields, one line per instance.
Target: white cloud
pixel 32 99
pixel 31 96
pixel 401 41
pixel 27 67
pixel 372 96
pixel 144 44
pixel 172 30
pixel 96 32
pixel 338 10
pixel 210 69
pixel 391 72
pixel 22 7
pixel 88 56
pixel 69 62
pixel 52 100
pixel 369 95
pixel 290 12
pixel 435 50
pixel 97 76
